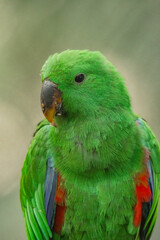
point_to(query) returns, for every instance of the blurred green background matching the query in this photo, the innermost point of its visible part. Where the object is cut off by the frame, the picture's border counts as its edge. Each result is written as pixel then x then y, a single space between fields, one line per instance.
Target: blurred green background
pixel 127 32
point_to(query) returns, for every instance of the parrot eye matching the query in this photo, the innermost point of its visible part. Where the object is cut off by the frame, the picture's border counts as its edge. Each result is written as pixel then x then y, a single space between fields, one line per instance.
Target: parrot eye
pixel 79 78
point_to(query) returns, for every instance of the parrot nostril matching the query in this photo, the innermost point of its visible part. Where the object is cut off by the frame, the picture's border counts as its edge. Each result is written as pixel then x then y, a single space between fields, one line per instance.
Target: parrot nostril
pixel 43 107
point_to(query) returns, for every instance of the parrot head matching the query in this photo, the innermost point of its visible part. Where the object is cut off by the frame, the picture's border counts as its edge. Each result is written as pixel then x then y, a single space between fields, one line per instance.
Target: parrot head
pixel 81 84
pixel 85 96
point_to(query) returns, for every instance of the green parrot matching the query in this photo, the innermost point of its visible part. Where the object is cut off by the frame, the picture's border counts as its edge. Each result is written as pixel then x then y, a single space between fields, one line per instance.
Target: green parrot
pixel 92 171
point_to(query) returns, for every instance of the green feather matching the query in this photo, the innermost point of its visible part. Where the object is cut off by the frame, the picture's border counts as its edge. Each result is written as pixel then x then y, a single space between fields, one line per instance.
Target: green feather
pixel 152 223
pixel 41 223
pixel 33 222
pixel 38 198
pixel 41 214
pixel 30 233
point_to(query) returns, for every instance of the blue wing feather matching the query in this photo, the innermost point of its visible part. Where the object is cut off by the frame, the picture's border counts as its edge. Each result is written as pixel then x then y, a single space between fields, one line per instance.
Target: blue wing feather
pixel 150 180
pixel 146 207
pixel 50 192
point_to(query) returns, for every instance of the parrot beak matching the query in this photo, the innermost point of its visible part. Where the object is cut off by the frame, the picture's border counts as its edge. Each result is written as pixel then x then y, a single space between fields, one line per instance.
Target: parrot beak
pixel 51 101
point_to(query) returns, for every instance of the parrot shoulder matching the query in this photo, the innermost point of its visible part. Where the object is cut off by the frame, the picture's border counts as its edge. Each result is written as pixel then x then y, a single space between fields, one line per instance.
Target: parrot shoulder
pixel 148 186
pixel 39 184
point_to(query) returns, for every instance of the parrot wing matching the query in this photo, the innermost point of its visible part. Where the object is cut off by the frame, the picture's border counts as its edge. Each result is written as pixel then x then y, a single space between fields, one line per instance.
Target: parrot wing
pixel 38 186
pixel 149 207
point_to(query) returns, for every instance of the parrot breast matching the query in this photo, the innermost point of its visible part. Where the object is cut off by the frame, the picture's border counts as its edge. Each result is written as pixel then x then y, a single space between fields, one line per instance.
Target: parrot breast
pixel 98 210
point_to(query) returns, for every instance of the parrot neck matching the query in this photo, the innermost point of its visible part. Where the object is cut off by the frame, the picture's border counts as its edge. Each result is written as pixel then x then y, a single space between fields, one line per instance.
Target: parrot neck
pixel 108 143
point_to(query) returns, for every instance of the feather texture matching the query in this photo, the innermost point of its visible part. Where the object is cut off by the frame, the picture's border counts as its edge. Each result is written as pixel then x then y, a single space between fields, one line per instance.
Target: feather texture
pixel 97 175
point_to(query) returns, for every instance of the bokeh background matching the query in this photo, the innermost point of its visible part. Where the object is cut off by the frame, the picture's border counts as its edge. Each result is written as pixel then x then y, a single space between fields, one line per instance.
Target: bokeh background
pixel 127 32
